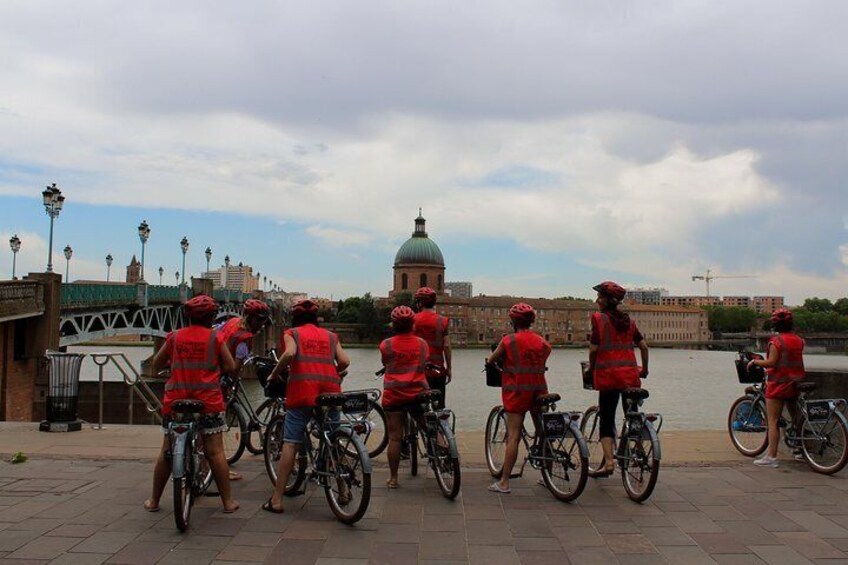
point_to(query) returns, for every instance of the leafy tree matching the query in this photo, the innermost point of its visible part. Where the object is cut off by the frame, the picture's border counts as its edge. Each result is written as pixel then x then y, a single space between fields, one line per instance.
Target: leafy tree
pixel 816 304
pixel 841 306
pixel 404 299
pixel 731 319
pixel 349 310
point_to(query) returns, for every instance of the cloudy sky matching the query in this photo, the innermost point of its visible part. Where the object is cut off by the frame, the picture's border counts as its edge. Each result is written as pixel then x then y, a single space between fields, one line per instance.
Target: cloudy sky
pixel 551 144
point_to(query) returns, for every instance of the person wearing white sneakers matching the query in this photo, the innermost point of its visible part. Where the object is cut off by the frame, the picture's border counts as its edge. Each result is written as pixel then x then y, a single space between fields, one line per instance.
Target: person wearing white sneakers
pixel 784 365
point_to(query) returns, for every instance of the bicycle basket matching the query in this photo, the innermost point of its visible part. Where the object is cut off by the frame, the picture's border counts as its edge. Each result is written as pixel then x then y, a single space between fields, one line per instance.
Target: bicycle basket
pixel 263 366
pixel 493 375
pixel 555 424
pixel 747 377
pixel 588 378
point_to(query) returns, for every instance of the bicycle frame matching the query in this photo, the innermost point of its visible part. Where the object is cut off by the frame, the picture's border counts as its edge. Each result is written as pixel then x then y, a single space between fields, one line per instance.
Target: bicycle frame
pixel 320 428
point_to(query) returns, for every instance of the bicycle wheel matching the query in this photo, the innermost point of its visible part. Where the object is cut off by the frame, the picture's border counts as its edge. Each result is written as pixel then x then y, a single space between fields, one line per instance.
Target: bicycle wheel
pixel 495 440
pixel 203 478
pixel 183 472
pixel 412 445
pixel 235 437
pixel 565 468
pixel 640 468
pixel 747 426
pixel 445 466
pixel 273 448
pixel 590 428
pixel 825 445
pixel 348 490
pixel 257 425
pixel 377 437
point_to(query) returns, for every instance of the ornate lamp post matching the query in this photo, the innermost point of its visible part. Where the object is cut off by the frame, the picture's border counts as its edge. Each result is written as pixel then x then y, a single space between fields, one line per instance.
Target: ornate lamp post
pixel 208 254
pixel 109 260
pixel 264 283
pixel 161 272
pixel 68 254
pixel 53 202
pixel 226 280
pixel 177 278
pixel 143 235
pixel 15 244
pixel 184 247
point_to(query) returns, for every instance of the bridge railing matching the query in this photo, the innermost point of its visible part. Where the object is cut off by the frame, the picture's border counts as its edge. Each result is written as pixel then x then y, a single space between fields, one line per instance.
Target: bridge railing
pixel 76 294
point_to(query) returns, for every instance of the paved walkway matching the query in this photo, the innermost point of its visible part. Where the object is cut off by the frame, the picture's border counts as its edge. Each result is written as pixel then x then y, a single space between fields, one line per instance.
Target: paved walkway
pixel 89 511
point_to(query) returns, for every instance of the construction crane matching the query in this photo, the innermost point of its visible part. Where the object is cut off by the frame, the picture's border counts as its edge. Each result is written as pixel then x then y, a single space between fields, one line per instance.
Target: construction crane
pixel 707 277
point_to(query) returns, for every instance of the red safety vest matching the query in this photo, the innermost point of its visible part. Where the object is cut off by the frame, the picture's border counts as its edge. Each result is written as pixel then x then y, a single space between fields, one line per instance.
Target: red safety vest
pixel 405 358
pixel 313 369
pixel 523 370
pixel 195 369
pixel 234 335
pixel 432 328
pixel 615 362
pixel 789 368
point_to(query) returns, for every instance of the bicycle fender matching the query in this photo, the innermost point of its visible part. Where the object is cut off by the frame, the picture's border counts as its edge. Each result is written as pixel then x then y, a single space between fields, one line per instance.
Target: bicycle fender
pixel 454 450
pixel 354 438
pixel 581 441
pixel 178 460
pixel 652 433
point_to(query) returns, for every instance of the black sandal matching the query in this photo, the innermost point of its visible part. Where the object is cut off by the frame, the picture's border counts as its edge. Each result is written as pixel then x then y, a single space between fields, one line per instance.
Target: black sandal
pixel 269 507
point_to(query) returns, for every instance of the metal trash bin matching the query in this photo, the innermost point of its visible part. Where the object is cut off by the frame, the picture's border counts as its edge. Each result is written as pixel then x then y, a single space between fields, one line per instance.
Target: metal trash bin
pixel 62 392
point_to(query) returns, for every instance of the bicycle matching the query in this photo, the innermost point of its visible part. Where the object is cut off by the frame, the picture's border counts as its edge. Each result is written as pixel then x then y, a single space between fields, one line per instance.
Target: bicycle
pixel 369 417
pixel 638 453
pixel 332 455
pixel 822 435
pixel 556 448
pixel 189 468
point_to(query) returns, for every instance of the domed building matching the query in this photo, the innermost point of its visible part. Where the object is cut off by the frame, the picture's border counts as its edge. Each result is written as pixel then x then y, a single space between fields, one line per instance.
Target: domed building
pixel 419 262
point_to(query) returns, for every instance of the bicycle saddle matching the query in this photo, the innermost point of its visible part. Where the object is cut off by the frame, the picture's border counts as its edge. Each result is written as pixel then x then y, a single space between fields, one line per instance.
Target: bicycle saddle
pixel 187 406
pixel 330 399
pixel 428 395
pixel 806 386
pixel 547 399
pixel 635 393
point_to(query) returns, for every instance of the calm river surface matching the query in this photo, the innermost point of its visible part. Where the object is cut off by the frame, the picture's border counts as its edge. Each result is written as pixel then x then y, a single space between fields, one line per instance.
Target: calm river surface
pixel 691 389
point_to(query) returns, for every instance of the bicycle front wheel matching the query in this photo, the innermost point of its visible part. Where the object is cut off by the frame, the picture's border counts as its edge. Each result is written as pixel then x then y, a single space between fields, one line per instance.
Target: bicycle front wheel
pixel 377 437
pixel 273 448
pixel 445 466
pixel 590 428
pixel 495 440
pixel 256 428
pixel 825 445
pixel 640 467
pixel 348 489
pixel 564 467
pixel 235 436
pixel 747 426
pixel 183 476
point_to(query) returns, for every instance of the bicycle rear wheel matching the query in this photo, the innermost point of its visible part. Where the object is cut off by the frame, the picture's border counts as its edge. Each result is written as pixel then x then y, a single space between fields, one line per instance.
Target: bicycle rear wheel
pixel 348 489
pixel 203 479
pixel 235 436
pixel 640 468
pixel 256 427
pixel 445 466
pixel 182 479
pixel 273 448
pixel 564 467
pixel 825 445
pixel 495 440
pixel 747 426
pixel 590 428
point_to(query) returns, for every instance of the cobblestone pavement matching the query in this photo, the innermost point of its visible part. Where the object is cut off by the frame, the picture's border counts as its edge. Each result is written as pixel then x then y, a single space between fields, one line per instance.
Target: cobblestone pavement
pixel 89 512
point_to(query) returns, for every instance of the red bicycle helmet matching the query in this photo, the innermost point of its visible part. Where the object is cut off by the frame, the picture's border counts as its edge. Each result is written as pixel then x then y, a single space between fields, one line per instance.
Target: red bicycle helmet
pixel 253 307
pixel 781 316
pixel 425 295
pixel 522 312
pixel 611 289
pixel 200 306
pixel 403 314
pixel 304 306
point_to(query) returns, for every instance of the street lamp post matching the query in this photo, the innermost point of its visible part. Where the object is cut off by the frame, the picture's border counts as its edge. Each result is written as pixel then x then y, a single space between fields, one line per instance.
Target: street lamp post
pixel 15 244
pixel 53 202
pixel 226 284
pixel 184 247
pixel 109 260
pixel 177 278
pixel 264 283
pixel 161 272
pixel 68 254
pixel 143 235
pixel 208 257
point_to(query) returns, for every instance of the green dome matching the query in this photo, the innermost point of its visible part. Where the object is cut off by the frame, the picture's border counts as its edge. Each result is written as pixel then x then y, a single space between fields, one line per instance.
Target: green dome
pixel 419 249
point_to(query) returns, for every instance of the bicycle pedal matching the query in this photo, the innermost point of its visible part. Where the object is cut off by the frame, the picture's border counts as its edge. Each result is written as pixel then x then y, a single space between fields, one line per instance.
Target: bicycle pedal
pixel 516 475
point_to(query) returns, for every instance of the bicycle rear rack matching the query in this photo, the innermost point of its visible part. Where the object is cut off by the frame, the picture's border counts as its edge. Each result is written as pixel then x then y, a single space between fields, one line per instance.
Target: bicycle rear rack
pixel 133 379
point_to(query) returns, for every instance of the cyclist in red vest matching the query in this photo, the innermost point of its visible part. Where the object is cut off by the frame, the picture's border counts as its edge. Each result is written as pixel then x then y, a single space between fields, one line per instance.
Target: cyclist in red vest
pixel 784 364
pixel 314 358
pixel 433 328
pixel 405 358
pixel 238 333
pixel 196 358
pixel 523 354
pixel 612 361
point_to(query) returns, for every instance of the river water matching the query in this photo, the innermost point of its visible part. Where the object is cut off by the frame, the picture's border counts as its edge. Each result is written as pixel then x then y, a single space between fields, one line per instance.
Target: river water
pixel 691 389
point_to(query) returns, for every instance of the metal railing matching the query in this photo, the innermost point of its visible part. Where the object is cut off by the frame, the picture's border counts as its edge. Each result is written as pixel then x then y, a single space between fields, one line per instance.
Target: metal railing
pixel 132 378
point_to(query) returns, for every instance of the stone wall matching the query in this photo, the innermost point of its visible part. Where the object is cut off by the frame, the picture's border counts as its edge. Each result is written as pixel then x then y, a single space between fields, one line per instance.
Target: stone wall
pixel 832 383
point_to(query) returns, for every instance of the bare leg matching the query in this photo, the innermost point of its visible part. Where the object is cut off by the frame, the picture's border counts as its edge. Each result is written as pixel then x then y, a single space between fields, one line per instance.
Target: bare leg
pixel 161 472
pixel 513 436
pixel 214 445
pixel 608 445
pixel 395 421
pixel 283 471
pixel 774 408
